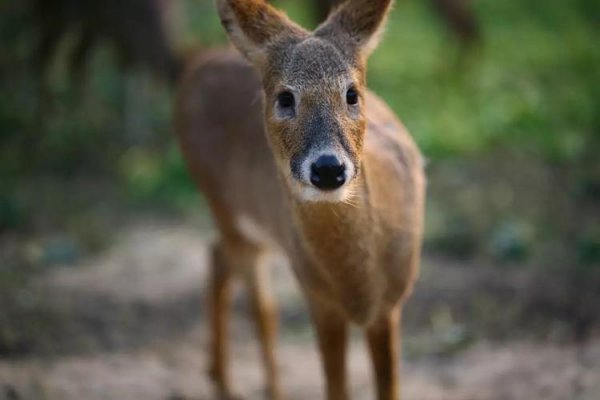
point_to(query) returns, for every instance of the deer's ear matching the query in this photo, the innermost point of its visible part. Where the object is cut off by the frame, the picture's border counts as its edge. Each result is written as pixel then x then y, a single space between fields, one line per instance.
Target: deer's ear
pixel 356 25
pixel 253 24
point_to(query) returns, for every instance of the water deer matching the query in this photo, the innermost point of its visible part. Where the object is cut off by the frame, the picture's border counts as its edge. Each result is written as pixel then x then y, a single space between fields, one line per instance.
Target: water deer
pixel 295 154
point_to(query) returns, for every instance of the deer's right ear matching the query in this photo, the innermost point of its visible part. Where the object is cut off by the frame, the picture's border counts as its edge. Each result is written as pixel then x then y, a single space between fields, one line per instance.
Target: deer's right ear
pixel 253 24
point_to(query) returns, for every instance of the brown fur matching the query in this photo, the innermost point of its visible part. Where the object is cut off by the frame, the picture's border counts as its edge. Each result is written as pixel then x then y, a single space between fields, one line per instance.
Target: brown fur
pixel 356 258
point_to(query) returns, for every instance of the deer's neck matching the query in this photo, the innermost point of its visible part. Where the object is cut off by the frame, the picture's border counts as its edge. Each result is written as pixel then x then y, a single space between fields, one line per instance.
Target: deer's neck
pixel 340 240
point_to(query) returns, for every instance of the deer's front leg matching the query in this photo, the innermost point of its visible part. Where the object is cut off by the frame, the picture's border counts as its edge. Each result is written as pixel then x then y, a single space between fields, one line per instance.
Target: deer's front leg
pixel 383 338
pixel 332 335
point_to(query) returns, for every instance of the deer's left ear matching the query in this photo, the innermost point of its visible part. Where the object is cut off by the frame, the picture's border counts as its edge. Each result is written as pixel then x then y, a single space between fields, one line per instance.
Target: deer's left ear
pixel 356 26
pixel 253 24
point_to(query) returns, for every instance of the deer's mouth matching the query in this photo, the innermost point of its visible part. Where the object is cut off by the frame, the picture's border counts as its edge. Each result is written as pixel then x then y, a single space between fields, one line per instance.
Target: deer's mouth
pixel 308 193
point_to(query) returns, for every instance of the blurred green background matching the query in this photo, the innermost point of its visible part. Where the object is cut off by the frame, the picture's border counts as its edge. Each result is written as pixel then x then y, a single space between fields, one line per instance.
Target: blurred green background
pixel 509 120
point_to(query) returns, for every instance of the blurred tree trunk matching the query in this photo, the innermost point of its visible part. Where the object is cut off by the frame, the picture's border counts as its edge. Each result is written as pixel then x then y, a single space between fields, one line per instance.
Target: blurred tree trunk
pixel 323 7
pixel 133 29
pixel 460 19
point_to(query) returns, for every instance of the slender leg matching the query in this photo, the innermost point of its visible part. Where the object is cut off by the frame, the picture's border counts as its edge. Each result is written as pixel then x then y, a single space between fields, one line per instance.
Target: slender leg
pixel 265 317
pixel 332 335
pixel 219 301
pixel 383 338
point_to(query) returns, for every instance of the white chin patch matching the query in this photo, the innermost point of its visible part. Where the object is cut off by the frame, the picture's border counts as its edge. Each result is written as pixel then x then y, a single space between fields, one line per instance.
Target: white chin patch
pixel 312 194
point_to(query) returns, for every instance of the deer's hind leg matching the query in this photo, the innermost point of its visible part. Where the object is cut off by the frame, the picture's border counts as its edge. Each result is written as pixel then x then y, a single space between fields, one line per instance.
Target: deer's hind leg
pixel 219 303
pixel 238 256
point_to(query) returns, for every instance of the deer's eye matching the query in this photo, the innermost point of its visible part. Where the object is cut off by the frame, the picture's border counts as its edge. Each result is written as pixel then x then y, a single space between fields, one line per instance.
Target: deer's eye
pixel 285 100
pixel 352 96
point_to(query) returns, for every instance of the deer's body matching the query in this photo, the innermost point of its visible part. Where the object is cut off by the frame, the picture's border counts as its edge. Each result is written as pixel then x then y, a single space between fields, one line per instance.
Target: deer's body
pixel 352 237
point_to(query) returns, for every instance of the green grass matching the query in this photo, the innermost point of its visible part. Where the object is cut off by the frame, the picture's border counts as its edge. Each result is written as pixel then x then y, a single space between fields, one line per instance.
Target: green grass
pixel 529 86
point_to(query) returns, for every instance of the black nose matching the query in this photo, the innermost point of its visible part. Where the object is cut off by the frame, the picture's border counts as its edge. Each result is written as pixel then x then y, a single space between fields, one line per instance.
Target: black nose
pixel 327 173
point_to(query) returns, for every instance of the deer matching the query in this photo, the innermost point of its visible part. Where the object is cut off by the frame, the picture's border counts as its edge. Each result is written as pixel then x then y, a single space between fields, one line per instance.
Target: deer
pixel 295 155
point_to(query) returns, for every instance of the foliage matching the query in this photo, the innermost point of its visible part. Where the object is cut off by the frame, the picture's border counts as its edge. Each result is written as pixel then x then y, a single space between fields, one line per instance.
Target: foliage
pixel 517 116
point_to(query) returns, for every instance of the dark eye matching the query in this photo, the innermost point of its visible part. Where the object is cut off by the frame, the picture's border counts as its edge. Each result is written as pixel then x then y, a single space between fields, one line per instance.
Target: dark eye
pixel 285 100
pixel 352 96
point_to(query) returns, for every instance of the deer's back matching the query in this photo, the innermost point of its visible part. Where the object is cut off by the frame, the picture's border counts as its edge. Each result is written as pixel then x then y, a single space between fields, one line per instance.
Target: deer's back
pixel 219 120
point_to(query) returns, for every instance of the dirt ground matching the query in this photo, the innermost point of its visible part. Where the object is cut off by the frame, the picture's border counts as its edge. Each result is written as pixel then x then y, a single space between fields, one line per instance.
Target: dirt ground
pixel 132 327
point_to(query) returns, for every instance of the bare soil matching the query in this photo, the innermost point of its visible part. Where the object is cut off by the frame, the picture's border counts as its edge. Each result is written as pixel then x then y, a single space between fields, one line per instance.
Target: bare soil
pixel 129 324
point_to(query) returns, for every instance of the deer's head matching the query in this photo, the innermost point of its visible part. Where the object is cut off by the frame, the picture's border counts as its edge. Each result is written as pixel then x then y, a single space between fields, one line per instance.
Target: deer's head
pixel 314 84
